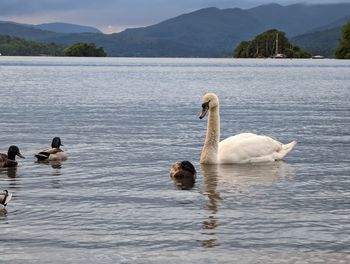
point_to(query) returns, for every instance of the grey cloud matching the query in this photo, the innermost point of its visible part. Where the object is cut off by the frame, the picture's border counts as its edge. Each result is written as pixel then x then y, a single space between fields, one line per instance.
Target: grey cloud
pixel 101 13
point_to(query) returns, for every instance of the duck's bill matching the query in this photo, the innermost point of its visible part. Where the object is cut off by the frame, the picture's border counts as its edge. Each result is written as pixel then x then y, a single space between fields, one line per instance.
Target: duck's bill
pixel 20 155
pixel 203 113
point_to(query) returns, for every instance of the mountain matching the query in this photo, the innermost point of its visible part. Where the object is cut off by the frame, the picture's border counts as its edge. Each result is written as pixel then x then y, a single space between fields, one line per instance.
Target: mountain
pixel 322 40
pixel 299 18
pixel 67 28
pixel 336 24
pixel 209 32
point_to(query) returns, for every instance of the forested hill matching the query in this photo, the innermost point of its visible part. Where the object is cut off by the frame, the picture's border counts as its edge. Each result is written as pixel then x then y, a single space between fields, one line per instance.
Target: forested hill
pixel 209 32
pixel 12 46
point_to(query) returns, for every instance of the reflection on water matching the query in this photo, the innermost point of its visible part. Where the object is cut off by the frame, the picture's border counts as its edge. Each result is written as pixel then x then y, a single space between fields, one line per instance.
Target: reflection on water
pixel 240 176
pixel 184 183
pixel 10 172
pixel 210 189
pixel 108 201
pixel 235 177
pixel 53 163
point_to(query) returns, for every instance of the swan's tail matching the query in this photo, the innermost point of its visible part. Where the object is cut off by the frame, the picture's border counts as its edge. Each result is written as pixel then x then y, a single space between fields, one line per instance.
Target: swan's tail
pixel 285 150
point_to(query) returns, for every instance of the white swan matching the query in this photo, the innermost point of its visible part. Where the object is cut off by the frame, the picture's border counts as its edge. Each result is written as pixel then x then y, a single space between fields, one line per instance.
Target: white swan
pixel 241 148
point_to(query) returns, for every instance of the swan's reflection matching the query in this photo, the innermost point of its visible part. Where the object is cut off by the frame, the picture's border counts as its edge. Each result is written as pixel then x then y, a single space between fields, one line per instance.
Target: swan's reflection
pixel 218 178
pixel 243 176
pixel 210 173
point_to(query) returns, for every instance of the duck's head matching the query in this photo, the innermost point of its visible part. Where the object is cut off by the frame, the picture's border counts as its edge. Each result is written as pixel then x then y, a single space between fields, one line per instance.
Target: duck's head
pixel 56 142
pixel 13 152
pixel 210 101
pixel 183 173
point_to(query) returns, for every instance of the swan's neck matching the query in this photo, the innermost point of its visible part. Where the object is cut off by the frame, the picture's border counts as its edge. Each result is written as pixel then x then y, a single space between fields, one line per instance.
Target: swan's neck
pixel 210 150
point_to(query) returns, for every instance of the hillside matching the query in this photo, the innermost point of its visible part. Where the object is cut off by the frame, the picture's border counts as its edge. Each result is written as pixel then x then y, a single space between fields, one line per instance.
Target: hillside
pixel 321 42
pixel 12 46
pixel 209 32
pixel 67 28
pixel 265 46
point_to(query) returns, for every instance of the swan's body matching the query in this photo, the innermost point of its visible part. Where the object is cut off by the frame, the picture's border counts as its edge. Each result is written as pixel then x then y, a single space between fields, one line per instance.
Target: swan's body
pixel 55 153
pixel 241 148
pixel 5 197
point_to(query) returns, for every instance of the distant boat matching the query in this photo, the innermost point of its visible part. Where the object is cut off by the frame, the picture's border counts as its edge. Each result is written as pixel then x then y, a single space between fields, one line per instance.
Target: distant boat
pixel 277 54
pixel 317 57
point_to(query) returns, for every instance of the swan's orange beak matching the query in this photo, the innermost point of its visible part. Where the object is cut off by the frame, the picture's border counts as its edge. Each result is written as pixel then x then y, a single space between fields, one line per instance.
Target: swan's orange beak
pixel 205 108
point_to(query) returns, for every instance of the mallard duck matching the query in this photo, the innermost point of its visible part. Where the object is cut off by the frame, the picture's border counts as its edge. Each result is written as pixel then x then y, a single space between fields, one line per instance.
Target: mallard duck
pixel 9 160
pixel 5 197
pixel 183 173
pixel 241 148
pixel 55 153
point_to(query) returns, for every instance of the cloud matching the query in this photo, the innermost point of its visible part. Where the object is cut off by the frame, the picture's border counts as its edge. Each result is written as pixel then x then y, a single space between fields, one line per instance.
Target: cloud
pixel 118 14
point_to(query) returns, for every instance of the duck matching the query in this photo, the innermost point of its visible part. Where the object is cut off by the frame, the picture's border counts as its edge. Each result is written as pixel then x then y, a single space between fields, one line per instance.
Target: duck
pixel 5 197
pixel 9 159
pixel 183 173
pixel 241 148
pixel 55 153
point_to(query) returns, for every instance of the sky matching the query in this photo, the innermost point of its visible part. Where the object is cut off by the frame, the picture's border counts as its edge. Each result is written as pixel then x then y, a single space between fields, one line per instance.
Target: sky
pixel 116 15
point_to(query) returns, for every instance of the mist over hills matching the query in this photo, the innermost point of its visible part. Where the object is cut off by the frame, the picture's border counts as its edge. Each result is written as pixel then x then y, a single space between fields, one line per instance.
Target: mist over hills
pixel 67 28
pixel 209 32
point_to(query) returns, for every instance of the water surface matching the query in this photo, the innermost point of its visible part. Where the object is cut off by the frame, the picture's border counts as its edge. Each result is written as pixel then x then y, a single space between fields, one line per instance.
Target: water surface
pixel 125 121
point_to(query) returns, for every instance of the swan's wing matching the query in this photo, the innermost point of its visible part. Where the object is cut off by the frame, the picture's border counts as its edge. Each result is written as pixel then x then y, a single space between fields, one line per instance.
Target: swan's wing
pixel 247 147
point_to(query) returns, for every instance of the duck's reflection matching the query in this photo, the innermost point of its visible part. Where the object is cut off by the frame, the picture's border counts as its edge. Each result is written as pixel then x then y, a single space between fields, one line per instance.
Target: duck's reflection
pixel 218 178
pixel 53 164
pixel 11 172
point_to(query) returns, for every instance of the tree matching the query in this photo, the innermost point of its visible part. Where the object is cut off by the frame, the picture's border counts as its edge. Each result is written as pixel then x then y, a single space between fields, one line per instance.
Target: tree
pixel 343 50
pixel 12 46
pixel 269 44
pixel 84 50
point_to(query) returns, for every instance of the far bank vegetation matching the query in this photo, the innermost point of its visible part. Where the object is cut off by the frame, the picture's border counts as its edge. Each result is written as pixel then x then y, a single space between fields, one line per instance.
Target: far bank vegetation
pixel 272 43
pixel 343 50
pixel 84 50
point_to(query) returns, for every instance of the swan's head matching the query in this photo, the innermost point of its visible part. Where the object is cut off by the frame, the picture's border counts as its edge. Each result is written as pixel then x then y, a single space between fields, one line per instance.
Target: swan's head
pixel 210 101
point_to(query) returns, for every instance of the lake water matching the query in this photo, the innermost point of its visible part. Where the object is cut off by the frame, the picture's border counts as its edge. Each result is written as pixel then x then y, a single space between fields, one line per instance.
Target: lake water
pixel 125 121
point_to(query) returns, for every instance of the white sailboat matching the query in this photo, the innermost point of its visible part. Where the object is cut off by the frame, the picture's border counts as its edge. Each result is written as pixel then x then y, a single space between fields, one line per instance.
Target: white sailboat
pixel 277 54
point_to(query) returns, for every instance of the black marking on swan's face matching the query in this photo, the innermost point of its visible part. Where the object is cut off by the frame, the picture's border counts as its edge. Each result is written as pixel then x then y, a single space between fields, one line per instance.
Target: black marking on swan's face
pixel 56 142
pixel 205 108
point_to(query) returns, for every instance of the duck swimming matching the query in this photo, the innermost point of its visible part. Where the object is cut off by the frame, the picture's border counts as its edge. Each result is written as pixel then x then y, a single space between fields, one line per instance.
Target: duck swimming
pixel 5 197
pixel 241 148
pixel 183 173
pixel 55 153
pixel 9 159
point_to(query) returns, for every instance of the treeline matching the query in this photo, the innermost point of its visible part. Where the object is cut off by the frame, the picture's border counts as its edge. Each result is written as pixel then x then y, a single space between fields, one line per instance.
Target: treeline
pixel 12 46
pixel 84 50
pixel 271 43
pixel 343 50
